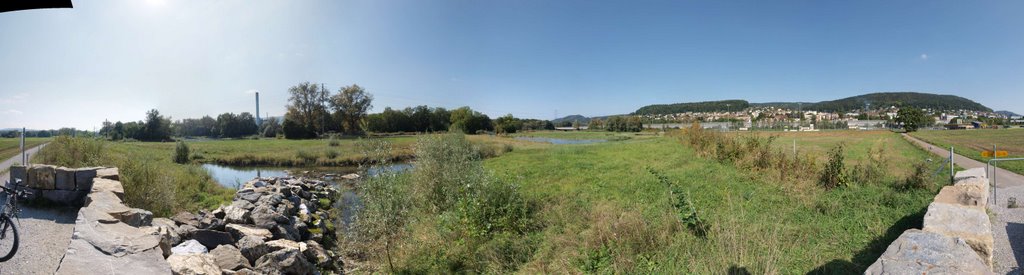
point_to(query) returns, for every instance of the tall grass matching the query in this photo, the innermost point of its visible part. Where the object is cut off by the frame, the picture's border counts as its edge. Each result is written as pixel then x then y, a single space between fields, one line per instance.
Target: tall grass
pixel 151 179
pixel 752 152
pixel 447 216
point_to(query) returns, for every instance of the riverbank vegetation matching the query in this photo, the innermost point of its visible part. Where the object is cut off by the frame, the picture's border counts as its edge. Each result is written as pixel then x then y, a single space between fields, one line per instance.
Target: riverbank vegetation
pixel 151 180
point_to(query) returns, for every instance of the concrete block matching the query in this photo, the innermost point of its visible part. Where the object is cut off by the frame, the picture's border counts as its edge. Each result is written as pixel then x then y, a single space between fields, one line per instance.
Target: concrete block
pixel 41 177
pixel 64 179
pixel 84 178
pixel 18 172
pixel 968 223
pixel 65 197
pixel 921 252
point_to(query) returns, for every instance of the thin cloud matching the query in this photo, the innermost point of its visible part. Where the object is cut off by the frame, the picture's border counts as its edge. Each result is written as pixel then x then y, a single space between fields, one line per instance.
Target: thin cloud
pixel 924 56
pixel 18 98
pixel 13 112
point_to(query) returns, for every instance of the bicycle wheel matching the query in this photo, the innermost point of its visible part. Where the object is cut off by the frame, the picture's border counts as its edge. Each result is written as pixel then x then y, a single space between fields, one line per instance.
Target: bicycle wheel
pixel 8 238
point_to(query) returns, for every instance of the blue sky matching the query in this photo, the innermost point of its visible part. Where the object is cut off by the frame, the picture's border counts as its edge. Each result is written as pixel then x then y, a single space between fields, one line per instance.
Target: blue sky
pixel 116 59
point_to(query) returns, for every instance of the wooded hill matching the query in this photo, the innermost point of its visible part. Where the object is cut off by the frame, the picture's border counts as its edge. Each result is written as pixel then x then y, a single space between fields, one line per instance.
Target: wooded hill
pixel 873 101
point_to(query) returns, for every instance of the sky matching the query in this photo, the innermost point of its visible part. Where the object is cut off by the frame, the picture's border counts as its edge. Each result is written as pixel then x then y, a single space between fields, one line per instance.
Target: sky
pixel 114 60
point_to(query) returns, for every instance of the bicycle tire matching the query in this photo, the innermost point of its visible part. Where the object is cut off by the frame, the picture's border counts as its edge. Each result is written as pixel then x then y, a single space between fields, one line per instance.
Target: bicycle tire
pixel 4 220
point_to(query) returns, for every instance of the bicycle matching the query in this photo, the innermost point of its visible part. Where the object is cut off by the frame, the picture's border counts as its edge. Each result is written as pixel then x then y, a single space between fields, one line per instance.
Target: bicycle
pixel 8 230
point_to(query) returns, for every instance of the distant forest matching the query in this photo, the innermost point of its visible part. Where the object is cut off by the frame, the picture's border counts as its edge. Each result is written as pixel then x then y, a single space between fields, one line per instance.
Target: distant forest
pixel 873 101
pixel 706 106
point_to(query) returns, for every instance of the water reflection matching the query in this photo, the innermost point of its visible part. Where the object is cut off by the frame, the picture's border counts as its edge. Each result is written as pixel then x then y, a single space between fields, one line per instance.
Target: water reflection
pixel 235 176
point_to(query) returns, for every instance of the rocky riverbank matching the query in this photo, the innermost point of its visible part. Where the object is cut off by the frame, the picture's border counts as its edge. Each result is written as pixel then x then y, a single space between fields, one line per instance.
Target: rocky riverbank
pixel 280 225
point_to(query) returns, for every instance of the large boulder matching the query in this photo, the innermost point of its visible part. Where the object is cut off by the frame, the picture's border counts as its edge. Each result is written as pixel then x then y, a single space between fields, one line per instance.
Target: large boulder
pixel 186 218
pixel 189 247
pixel 236 214
pixel 135 217
pixel 193 264
pixel 168 234
pixel 238 231
pixel 41 177
pixel 248 194
pixel 230 258
pixel 252 248
pixel 84 178
pixel 287 261
pixel 315 253
pixel 211 238
pixel 968 223
pixel 64 178
pixel 264 216
pixel 921 252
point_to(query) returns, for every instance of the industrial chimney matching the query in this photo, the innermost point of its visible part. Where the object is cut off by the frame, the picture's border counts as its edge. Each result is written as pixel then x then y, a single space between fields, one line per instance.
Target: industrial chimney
pixel 258 121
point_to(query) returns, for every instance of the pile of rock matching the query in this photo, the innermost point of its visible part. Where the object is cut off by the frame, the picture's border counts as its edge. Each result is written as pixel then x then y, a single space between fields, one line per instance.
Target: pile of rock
pixel 956 237
pixel 273 226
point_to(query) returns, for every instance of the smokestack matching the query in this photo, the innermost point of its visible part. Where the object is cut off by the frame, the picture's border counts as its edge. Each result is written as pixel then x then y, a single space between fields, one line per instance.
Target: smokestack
pixel 258 121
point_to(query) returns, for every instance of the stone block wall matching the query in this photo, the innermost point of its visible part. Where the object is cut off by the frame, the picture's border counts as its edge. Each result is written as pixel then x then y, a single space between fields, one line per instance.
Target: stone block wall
pixel 956 237
pixel 60 185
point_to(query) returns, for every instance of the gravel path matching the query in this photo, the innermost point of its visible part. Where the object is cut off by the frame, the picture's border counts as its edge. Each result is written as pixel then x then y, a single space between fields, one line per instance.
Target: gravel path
pixel 1007 223
pixel 44 233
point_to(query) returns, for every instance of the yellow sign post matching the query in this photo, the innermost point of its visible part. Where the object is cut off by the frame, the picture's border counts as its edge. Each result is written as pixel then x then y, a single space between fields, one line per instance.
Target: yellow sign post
pixel 999 154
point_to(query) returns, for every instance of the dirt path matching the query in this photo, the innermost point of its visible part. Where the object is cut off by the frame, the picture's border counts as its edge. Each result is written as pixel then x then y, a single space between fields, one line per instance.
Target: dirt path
pixel 1008 224
pixel 44 233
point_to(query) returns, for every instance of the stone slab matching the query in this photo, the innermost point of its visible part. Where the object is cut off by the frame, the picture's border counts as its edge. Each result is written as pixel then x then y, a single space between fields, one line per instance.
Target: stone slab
pixel 84 178
pixel 41 177
pixel 962 195
pixel 108 173
pixel 18 172
pixel 64 179
pixel 102 184
pixel 65 197
pixel 82 258
pixel 921 252
pixel 968 223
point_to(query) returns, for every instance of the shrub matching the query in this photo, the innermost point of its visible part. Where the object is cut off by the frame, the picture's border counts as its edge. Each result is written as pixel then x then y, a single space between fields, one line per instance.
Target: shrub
pixel 180 153
pixel 834 174
pixel 385 209
pixel 445 165
pixel 918 178
pixel 333 141
pixel 305 156
pixel 331 154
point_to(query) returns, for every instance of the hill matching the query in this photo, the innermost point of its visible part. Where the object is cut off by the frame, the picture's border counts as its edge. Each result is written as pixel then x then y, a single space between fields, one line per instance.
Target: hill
pixel 571 118
pixel 705 106
pixel 1007 113
pixel 874 100
pixel 918 100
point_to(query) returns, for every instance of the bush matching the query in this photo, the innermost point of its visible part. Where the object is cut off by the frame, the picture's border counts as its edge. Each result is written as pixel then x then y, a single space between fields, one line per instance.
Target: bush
pixel 834 174
pixel 918 178
pixel 331 154
pixel 445 165
pixel 333 141
pixel 305 156
pixel 180 153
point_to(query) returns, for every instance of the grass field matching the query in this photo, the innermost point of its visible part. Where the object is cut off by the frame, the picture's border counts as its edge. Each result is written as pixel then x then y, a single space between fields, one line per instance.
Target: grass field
pixel 605 211
pixel 10 147
pixel 857 146
pixel 970 143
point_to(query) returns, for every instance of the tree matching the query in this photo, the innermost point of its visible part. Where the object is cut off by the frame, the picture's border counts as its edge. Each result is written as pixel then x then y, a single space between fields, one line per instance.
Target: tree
pixel 270 127
pixel 156 127
pixel 911 118
pixel 507 124
pixel 468 121
pixel 306 109
pixel 350 106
